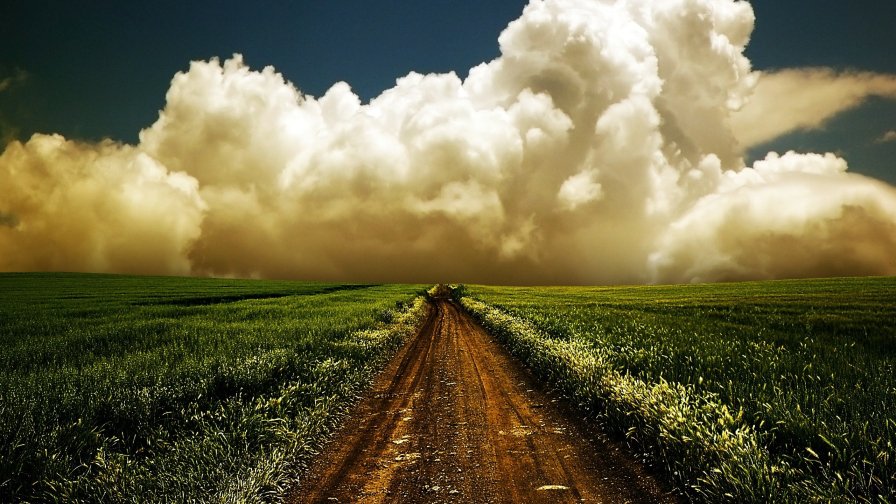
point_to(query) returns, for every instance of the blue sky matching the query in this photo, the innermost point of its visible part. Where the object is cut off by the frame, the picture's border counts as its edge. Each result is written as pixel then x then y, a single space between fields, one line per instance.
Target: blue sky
pixel 102 69
pixel 842 35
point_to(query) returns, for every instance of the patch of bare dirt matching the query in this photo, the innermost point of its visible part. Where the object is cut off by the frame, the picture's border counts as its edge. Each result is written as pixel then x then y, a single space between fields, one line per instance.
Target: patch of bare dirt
pixel 454 418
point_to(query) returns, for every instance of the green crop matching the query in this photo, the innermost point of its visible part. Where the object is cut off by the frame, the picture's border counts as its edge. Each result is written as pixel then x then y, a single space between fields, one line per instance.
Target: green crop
pixel 751 392
pixel 116 388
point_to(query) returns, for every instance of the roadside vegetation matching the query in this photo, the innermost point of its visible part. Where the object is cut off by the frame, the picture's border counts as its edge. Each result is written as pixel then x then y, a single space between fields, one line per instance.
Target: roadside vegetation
pixel 778 391
pixel 117 388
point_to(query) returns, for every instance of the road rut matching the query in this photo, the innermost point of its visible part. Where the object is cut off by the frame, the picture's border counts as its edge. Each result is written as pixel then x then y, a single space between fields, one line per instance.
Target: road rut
pixel 454 418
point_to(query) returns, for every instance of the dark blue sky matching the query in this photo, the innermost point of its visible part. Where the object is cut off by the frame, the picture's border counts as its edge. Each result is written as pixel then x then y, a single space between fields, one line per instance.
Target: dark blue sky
pixel 101 69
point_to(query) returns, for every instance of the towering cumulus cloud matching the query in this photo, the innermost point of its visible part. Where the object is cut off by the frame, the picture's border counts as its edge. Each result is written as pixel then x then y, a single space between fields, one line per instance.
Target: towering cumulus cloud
pixel 599 147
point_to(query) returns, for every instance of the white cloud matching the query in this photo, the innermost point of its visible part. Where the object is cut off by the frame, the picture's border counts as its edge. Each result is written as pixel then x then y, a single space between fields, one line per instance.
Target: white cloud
pixel 578 190
pixel 787 216
pixel 102 207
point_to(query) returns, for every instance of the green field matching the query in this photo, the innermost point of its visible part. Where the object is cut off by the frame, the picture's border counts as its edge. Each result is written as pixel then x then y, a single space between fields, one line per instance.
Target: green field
pixel 116 388
pixel 752 392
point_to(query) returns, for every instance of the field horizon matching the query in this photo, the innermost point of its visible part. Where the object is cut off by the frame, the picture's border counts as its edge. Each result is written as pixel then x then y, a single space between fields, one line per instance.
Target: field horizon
pixel 443 282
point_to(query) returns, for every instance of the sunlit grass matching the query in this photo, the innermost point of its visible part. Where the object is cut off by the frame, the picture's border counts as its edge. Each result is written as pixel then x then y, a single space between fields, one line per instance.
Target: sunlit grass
pixel 762 391
pixel 113 387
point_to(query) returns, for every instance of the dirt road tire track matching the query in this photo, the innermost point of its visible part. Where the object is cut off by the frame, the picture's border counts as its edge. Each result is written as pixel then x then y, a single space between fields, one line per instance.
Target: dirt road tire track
pixel 454 418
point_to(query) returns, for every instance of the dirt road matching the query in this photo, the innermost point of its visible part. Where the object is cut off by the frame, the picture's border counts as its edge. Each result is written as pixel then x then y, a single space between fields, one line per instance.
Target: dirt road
pixel 455 419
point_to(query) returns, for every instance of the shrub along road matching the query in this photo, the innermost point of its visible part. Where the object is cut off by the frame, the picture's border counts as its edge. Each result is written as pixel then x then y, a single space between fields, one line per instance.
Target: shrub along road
pixel 455 419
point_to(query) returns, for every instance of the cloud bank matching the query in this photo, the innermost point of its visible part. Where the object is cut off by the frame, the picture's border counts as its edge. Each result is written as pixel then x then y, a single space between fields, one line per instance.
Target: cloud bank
pixel 601 146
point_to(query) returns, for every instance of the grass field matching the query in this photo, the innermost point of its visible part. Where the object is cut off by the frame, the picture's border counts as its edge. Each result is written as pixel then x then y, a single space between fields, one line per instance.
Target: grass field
pixel 752 392
pixel 116 388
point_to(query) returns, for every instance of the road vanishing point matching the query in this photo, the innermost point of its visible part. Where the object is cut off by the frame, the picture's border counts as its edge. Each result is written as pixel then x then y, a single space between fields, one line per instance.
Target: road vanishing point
pixel 455 418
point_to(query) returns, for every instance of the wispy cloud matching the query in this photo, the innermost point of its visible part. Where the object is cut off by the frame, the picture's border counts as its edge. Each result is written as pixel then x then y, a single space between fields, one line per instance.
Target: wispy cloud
pixel 889 136
pixel 803 99
pixel 17 77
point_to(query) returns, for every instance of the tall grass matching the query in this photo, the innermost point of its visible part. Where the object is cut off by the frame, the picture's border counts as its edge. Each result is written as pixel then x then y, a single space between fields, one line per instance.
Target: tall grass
pixel 173 389
pixel 762 392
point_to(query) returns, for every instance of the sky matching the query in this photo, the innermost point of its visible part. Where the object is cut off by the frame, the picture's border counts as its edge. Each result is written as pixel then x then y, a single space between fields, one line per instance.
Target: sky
pixel 106 70
pixel 100 69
